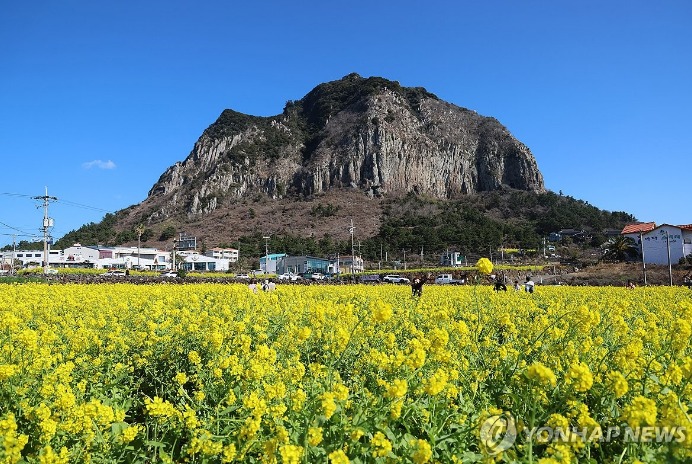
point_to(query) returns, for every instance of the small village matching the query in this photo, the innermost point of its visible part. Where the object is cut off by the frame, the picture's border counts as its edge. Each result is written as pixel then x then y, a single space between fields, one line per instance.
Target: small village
pixel 663 244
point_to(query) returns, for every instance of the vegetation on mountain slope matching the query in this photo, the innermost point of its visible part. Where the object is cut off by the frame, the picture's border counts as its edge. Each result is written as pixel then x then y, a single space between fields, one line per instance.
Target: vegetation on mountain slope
pixel 472 224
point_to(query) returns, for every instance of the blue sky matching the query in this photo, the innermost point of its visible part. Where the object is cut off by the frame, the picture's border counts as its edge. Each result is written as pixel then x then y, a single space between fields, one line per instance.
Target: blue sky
pixel 97 99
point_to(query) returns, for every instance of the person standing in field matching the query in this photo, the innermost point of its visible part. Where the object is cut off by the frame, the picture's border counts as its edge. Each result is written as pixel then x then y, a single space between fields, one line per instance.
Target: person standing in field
pixel 417 286
pixel 528 286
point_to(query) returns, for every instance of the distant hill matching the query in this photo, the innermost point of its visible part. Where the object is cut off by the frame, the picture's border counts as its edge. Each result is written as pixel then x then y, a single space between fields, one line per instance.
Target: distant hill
pixel 409 169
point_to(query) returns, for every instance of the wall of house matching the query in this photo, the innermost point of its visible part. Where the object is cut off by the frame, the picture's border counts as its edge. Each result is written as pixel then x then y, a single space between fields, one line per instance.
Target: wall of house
pixel 687 242
pixel 655 246
pixel 80 254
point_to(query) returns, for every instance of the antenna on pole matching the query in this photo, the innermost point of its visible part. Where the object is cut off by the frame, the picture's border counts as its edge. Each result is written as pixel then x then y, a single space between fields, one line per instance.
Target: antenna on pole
pixel 47 226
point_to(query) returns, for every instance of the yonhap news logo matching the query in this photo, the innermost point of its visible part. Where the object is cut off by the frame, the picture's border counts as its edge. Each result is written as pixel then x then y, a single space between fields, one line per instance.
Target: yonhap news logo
pixel 624 434
pixel 499 433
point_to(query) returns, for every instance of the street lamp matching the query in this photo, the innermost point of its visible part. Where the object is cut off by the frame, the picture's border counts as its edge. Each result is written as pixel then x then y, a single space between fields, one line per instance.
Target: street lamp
pixel 266 254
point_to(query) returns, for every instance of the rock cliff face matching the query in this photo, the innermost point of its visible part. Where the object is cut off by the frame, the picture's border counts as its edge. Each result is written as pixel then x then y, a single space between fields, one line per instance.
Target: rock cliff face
pixel 367 134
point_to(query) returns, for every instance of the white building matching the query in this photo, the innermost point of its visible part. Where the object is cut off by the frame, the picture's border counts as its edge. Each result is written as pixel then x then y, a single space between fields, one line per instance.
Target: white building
pixel 199 262
pixel 78 254
pixel 27 257
pixel 453 259
pixel 113 257
pixel 656 241
pixel 31 258
pixel 133 257
pixel 347 264
pixel 270 266
pixel 230 254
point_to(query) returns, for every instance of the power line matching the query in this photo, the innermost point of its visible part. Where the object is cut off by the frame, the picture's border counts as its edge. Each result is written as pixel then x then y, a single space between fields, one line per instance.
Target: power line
pixel 28 234
pixel 79 205
pixel 16 195
pixel 61 201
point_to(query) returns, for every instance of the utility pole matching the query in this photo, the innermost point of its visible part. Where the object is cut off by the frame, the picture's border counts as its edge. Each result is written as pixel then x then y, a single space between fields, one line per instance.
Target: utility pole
pixel 641 245
pixel 175 242
pixel 266 254
pixel 353 250
pixel 544 247
pixel 670 268
pixel 140 230
pixel 14 252
pixel 379 264
pixel 47 226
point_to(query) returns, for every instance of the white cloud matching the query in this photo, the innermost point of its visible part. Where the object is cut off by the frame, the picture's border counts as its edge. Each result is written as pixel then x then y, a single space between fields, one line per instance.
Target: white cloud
pixel 99 164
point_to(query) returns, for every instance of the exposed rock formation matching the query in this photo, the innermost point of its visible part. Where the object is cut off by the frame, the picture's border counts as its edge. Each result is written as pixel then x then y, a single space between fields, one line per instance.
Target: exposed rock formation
pixel 368 134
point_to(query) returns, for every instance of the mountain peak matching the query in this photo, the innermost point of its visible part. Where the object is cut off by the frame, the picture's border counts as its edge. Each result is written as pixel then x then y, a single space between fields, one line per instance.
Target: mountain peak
pixel 370 135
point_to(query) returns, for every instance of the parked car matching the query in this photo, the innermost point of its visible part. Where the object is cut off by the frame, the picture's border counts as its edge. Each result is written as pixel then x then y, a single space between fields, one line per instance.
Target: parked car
pixel 114 273
pixel 448 279
pixel 289 276
pixel 169 274
pixel 242 276
pixel 370 279
pixel 317 276
pixel 395 279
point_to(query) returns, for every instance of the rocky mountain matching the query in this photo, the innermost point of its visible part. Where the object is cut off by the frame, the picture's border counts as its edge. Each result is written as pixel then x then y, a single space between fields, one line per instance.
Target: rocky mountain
pixel 370 136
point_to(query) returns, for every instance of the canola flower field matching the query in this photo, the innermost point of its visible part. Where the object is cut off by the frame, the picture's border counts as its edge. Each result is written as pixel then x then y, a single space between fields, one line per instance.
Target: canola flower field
pixel 214 373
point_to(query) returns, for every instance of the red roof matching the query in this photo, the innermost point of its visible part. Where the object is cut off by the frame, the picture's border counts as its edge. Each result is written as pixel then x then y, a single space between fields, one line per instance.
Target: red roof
pixel 686 226
pixel 638 227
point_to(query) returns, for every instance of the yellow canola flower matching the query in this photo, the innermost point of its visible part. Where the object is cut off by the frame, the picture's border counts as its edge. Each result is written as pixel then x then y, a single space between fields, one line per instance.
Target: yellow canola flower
pixel 640 412
pixel 484 266
pixel 7 371
pixel 580 377
pixel 160 408
pixel 328 404
pixel 422 451
pixel 228 453
pixel 181 378
pixel 11 443
pixel 314 436
pixel 340 392
pixel 194 357
pixel 291 454
pixel 436 383
pixel 381 311
pixel 338 457
pixel 130 433
pixel 64 349
pixel 380 445
pixel 397 389
pixel 617 383
pixel 541 374
pixel 48 456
